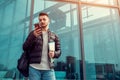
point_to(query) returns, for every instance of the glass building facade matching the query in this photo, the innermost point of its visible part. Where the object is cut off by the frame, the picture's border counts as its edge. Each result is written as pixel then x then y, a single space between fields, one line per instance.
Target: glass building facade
pixel 88 31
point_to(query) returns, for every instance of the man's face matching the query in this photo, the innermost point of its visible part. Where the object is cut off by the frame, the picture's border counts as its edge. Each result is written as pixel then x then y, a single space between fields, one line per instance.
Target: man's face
pixel 44 21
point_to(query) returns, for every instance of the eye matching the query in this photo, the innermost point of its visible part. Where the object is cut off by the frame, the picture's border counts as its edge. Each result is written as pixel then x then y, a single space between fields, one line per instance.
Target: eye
pixel 44 19
pixel 40 20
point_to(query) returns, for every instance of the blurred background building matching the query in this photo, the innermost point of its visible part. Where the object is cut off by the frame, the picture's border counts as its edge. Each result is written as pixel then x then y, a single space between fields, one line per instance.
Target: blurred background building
pixel 89 32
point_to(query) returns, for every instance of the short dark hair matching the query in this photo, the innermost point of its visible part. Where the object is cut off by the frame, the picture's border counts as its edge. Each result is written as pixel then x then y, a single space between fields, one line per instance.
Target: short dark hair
pixel 43 14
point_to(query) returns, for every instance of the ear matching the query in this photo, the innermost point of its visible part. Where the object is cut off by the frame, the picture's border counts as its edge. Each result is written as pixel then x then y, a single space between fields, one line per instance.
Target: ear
pixel 38 18
pixel 49 20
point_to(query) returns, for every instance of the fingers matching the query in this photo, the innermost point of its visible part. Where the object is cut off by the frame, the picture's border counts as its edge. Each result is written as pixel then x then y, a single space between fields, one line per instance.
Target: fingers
pixel 37 27
pixel 51 54
pixel 37 31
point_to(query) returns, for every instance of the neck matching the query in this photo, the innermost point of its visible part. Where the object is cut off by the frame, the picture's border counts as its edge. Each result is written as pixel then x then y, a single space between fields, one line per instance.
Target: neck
pixel 45 29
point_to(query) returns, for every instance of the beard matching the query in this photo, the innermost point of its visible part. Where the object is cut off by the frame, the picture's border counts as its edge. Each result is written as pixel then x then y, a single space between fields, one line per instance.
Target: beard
pixel 44 26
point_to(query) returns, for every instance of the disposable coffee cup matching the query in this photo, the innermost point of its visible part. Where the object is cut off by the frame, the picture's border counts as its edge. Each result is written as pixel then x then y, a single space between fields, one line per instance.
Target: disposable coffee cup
pixel 52 46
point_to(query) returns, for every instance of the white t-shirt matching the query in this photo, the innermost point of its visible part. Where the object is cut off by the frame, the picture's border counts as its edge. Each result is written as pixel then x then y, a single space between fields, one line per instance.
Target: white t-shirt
pixel 44 65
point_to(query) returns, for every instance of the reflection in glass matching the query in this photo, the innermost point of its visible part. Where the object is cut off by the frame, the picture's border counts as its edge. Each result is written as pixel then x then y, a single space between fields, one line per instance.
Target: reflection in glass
pixel 13 27
pixel 65 23
pixel 101 42
pixel 101 37
pixel 108 2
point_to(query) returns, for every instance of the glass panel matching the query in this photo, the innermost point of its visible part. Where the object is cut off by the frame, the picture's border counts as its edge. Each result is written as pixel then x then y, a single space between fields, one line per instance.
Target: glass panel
pixel 101 43
pixel 64 22
pixel 13 25
pixel 108 2
pixel 101 38
pixel 38 5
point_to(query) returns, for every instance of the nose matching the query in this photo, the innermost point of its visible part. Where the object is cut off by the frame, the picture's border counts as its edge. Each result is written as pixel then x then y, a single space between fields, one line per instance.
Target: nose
pixel 41 21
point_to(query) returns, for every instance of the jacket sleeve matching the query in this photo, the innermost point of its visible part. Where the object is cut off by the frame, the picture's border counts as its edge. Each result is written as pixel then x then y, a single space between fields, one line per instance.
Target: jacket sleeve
pixel 29 42
pixel 57 47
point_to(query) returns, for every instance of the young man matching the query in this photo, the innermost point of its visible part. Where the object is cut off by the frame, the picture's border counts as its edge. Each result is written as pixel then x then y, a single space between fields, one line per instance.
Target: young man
pixel 40 54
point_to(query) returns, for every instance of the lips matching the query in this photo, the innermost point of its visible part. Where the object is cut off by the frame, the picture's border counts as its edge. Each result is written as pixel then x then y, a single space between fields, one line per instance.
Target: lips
pixel 42 24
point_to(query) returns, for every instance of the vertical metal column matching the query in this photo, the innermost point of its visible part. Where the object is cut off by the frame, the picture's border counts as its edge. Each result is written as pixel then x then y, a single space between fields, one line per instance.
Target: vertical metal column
pixel 31 15
pixel 81 40
pixel 118 4
pixel 25 22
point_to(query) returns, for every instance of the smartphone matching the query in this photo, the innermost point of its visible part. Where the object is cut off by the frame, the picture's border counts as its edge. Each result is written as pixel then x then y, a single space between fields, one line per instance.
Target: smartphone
pixel 37 25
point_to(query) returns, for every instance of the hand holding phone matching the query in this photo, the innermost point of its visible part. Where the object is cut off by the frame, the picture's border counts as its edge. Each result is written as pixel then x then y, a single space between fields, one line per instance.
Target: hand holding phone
pixel 37 30
pixel 36 25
